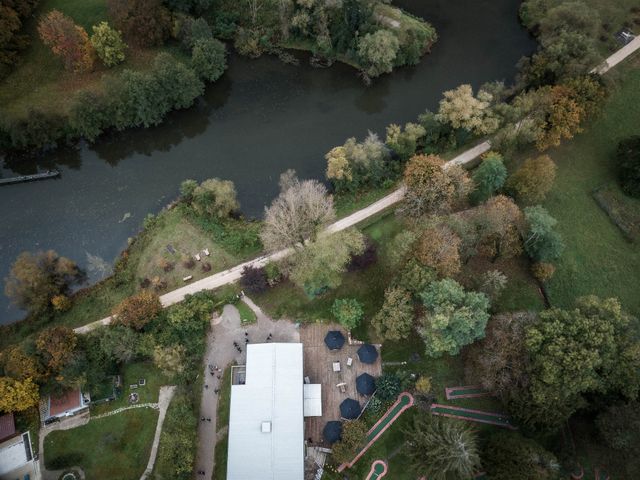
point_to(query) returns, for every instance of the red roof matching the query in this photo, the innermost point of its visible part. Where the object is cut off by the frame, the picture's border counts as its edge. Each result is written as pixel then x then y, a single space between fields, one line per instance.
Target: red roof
pixel 7 426
pixel 68 401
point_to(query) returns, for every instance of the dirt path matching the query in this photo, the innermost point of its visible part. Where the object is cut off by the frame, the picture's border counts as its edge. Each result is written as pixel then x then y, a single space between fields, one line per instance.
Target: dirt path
pixel 164 399
pixel 221 353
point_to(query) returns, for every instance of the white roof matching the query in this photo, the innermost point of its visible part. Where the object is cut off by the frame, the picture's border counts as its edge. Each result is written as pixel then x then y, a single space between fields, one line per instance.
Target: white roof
pixel 272 393
pixel 313 400
pixel 13 454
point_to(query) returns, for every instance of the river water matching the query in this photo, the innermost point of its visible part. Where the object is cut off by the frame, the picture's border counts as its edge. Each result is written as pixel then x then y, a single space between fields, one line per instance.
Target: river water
pixel 259 119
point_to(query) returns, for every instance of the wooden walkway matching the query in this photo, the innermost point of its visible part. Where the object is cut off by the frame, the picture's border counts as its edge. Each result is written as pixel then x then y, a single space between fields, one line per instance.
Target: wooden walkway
pixel 318 361
pixel 30 178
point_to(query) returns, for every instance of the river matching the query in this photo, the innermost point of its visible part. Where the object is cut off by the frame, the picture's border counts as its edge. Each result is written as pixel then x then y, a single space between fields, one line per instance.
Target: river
pixel 259 119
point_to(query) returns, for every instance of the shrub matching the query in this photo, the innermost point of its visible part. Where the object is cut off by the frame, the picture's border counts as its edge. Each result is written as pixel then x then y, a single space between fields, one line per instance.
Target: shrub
pixel 138 310
pixel 628 158
pixel 348 312
pixel 194 30
pixel 89 114
pixel 423 384
pixel 353 435
pixel 488 177
pixel 189 263
pixel 533 180
pixel 254 280
pixel 208 59
pixel 619 426
pixel 108 44
pixel 377 51
pixel 206 267
pixel 61 303
pixel 542 242
pixel 215 198
pixel 388 386
pixel 543 271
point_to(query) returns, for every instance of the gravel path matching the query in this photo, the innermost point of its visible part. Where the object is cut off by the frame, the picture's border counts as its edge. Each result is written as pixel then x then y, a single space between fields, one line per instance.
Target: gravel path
pixel 164 399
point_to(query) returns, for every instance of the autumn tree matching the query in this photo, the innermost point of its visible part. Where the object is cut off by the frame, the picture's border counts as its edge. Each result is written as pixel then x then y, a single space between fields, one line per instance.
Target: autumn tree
pixel 56 346
pixel 492 283
pixel 138 310
pixel 353 436
pixel 511 456
pixel 16 363
pixel 320 265
pixel 254 279
pixel 395 319
pixel 531 182
pixel 377 51
pixel 348 312
pixel 488 177
pixel 17 395
pixel 67 40
pixel 603 352
pixel 439 248
pixel 564 115
pixel 169 359
pixel 215 198
pixel 108 44
pixel 146 23
pixel 441 448
pixel 461 109
pixel 298 214
pixel 499 362
pixel 414 277
pixel 496 227
pixel 541 241
pixel 453 317
pixel 35 279
pixel 430 187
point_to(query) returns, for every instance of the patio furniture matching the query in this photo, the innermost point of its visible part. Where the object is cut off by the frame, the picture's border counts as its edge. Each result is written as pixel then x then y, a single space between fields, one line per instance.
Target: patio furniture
pixel 336 366
pixel 343 387
pixel 187 278
pixel 197 257
pixel 349 361
pixel 307 380
pixel 206 251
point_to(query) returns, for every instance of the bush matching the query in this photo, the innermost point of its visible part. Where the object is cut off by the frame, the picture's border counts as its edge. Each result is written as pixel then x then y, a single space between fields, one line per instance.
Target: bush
pixel 254 280
pixel 542 242
pixel 348 312
pixel 377 52
pixel 189 263
pixel 208 59
pixel 488 177
pixel 138 310
pixel 533 180
pixel 388 386
pixel 628 158
pixel 543 271
pixel 619 426
pixel 108 44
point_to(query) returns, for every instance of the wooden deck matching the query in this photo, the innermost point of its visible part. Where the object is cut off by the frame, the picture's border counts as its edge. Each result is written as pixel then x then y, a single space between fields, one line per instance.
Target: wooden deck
pixel 318 361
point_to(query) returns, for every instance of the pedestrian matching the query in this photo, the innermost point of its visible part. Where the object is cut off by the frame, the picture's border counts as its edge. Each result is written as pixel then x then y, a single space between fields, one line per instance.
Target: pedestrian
pixel 246 334
pixel 246 340
pixel 202 418
pixel 208 419
pixel 206 386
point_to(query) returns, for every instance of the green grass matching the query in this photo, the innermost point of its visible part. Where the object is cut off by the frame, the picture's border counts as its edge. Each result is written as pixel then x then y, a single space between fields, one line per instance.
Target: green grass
pixel 615 14
pixel 130 374
pixel 112 447
pixel 348 202
pixel 224 400
pixel 598 259
pixel 247 316
pixel 222 448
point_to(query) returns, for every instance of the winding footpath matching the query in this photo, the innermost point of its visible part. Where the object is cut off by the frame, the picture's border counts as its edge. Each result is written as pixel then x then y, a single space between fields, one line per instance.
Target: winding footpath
pixel 233 274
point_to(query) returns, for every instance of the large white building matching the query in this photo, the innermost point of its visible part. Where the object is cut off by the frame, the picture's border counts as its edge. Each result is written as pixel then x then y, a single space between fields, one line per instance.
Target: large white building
pixel 266 425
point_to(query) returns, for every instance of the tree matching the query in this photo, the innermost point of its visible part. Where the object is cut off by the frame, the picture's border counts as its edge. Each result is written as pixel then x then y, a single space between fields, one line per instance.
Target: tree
pixel 16 363
pixel 628 160
pixel 17 395
pixel 510 456
pixel 423 384
pixel 588 350
pixel 543 271
pixel 119 343
pixel 439 248
pixel 493 282
pixel 430 187
pixel 178 444
pixel 395 318
pixel 215 198
pixel 377 51
pixel 254 279
pixel 146 23
pixel 541 241
pixel 414 277
pixel 357 163
pixel 169 359
pixel 461 109
pixel 298 214
pixel 67 40
pixel 499 362
pixel 12 38
pixel 89 114
pixel 405 143
pixel 488 177
pixel 496 227
pixel 363 260
pixel 564 115
pixel 619 426
pixel 56 345
pixel 187 187
pixel 442 449
pixel 209 59
pixel 348 312
pixel 36 278
pixel 320 265
pixel 138 310
pixel 453 318
pixel 108 44
pixel 531 182
pixel 178 84
pixel 354 433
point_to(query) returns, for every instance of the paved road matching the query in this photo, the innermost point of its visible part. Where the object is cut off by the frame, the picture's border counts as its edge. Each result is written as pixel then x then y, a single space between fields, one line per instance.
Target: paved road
pixel 221 352
pixel 618 56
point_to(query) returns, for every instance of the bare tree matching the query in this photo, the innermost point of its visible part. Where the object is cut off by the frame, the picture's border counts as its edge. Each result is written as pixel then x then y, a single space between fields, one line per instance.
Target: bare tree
pixel 300 211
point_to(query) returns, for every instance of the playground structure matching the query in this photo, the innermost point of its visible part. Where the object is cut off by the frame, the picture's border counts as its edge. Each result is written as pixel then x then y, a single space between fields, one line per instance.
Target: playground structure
pixel 404 401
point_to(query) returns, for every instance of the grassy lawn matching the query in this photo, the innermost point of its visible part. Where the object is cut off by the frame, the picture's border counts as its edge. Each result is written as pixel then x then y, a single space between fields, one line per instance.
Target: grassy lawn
pixel 130 374
pixel 222 448
pixel 41 82
pixel 614 15
pixel 112 447
pixel 224 400
pixel 247 316
pixel 598 259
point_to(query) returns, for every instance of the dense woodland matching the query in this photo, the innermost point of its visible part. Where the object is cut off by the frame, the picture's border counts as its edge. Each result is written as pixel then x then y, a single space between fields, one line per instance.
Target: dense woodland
pixel 548 367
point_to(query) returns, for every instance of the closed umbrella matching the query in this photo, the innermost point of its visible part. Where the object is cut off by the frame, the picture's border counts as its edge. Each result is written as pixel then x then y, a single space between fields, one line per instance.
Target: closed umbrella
pixel 334 340
pixel 350 408
pixel 365 384
pixel 332 431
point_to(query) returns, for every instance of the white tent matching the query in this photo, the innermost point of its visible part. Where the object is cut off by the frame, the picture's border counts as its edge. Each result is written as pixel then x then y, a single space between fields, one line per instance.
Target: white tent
pixel 313 400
